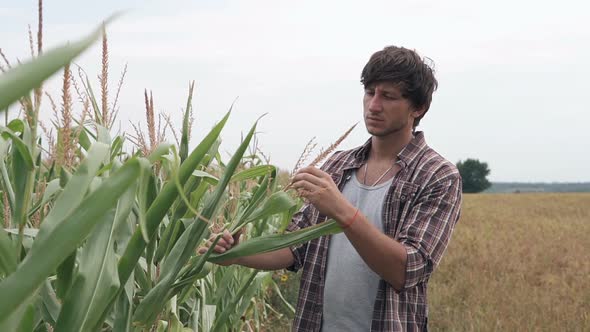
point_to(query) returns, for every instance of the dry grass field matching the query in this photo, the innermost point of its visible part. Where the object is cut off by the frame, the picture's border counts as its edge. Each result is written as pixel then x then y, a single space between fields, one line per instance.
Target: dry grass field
pixel 517 262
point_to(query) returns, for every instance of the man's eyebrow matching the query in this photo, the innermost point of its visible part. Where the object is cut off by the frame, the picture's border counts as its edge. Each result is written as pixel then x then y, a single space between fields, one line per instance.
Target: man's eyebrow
pixel 391 92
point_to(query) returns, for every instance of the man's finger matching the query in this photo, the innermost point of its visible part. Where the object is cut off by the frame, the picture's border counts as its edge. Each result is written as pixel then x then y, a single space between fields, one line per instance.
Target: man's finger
pixel 304 185
pixel 313 179
pixel 224 244
pixel 315 171
pixel 303 193
pixel 228 238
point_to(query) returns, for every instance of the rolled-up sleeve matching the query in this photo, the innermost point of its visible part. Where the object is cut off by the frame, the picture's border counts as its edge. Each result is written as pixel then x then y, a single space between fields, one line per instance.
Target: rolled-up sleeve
pixel 300 220
pixel 428 227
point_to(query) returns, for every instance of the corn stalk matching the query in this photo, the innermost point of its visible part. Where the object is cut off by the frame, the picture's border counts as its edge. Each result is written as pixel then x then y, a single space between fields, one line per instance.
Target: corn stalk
pixel 113 245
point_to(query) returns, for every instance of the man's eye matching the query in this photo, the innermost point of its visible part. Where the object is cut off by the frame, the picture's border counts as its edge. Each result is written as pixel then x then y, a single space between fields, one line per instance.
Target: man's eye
pixel 369 92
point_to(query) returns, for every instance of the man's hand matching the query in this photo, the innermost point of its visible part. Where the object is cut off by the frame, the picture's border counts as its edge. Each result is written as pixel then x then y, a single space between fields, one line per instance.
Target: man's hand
pixel 320 190
pixel 226 242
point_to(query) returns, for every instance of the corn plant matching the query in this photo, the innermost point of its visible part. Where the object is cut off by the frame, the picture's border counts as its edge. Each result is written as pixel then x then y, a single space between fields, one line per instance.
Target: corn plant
pixel 110 243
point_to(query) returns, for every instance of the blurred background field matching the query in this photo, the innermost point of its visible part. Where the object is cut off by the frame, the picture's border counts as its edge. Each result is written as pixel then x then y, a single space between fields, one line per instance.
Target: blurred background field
pixel 516 262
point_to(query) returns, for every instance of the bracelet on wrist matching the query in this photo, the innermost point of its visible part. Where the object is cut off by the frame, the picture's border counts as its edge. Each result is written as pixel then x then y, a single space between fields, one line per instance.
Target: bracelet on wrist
pixel 349 223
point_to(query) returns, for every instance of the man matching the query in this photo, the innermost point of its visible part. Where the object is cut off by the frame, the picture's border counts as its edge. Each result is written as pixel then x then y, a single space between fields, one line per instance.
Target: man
pixel 397 200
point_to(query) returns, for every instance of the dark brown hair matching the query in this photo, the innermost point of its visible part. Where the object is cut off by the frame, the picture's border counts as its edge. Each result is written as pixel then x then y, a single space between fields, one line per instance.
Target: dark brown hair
pixel 408 70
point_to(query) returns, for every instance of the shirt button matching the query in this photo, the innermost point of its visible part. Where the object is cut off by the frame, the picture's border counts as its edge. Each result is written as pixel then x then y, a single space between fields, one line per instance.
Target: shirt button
pixel 403 197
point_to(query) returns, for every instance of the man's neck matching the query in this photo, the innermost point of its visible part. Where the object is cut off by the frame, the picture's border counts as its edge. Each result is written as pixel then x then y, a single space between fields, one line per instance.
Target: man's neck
pixel 385 148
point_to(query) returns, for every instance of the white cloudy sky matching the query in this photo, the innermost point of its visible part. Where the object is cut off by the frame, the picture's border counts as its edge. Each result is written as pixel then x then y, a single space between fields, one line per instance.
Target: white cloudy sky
pixel 513 75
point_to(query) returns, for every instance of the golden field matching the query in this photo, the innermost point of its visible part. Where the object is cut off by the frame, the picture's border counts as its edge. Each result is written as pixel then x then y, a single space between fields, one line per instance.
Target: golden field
pixel 516 262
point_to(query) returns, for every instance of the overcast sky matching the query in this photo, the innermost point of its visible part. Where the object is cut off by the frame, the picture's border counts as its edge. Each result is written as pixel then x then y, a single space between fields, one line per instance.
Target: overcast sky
pixel 513 75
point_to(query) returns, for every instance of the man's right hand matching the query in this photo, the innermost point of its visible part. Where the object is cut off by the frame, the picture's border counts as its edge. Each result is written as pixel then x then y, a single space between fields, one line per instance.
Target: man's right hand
pixel 225 243
pixel 273 260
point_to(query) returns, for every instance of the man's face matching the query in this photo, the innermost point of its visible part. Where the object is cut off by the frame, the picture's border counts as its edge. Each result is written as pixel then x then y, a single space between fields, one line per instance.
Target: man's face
pixel 386 111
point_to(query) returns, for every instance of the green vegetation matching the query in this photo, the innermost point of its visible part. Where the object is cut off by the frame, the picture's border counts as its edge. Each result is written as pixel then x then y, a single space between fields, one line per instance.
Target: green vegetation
pixel 98 239
pixel 474 175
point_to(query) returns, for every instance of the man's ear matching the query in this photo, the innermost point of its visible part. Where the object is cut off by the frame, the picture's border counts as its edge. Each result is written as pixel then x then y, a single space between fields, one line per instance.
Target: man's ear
pixel 418 112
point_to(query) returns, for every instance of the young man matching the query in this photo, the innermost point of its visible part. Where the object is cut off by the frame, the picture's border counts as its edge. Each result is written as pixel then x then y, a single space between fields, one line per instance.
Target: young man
pixel 397 200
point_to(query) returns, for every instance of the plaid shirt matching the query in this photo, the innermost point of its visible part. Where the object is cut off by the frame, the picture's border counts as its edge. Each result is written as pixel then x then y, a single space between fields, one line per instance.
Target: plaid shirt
pixel 420 211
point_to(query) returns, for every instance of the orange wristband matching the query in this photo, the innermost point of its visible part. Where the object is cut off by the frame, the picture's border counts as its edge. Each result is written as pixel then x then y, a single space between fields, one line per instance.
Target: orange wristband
pixel 345 226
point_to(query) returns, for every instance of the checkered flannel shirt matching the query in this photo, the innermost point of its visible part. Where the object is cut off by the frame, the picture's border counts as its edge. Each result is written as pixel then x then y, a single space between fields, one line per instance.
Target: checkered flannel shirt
pixel 420 211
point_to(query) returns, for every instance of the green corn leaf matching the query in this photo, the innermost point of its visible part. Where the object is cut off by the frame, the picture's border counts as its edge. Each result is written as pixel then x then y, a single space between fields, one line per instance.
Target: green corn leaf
pixel 161 205
pixel 150 251
pixel 171 235
pixel 65 275
pixel 194 183
pixel 27 232
pixel 18 81
pixel 7 259
pixel 21 147
pixel 16 125
pixel 64 177
pixel 223 318
pixel 22 181
pixel 196 268
pixel 278 202
pixel 248 297
pixel 254 172
pixel 51 191
pixel 185 246
pixel 274 242
pixel 153 303
pixel 257 197
pixel 97 280
pixel 142 279
pixel 202 267
pixel 117 146
pixel 199 193
pixel 166 237
pixel 161 150
pixel 6 184
pixel 213 202
pixel 280 294
pixel 44 257
pixel 48 304
pixel 122 310
pixel 103 134
pixel 18 314
pixel 84 140
pixel 24 174
pixel 202 174
pixel 27 321
pixel 185 124
pixel 75 189
pixel 90 93
pixel 175 325
pixel 142 201
pixel 229 275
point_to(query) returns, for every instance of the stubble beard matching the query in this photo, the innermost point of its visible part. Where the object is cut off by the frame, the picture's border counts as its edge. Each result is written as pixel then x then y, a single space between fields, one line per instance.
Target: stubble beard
pixel 388 131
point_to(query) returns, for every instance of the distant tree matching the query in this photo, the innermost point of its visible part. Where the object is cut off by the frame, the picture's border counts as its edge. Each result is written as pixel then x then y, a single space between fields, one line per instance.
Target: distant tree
pixel 474 173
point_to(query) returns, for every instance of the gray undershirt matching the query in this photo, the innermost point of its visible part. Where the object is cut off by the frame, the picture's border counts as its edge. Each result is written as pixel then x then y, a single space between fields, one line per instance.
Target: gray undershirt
pixel 351 286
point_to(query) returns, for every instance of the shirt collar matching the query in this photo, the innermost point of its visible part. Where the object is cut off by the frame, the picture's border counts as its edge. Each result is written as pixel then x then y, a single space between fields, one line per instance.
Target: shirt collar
pixel 406 156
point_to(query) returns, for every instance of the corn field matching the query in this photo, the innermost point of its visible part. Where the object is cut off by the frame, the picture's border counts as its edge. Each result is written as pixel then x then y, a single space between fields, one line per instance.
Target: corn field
pixel 99 239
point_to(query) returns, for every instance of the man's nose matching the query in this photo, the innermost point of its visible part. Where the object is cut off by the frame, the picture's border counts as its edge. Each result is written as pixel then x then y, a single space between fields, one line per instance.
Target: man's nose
pixel 375 104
